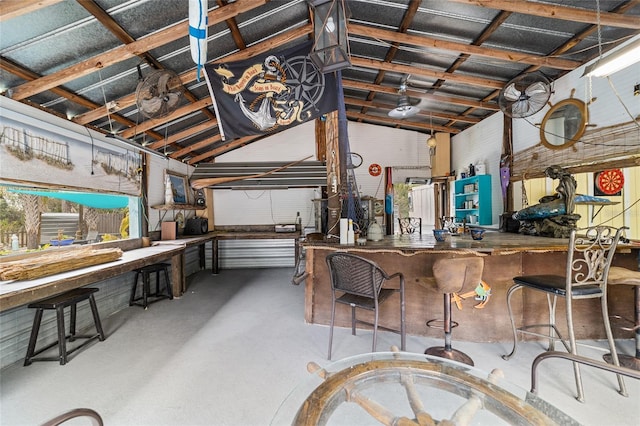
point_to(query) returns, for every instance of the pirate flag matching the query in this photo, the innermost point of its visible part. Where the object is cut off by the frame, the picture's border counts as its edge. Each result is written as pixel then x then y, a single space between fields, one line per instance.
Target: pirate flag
pixel 269 93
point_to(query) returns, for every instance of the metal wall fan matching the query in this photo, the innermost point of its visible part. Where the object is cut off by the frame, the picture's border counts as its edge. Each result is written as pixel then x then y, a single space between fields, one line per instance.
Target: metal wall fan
pixel 525 95
pixel 158 93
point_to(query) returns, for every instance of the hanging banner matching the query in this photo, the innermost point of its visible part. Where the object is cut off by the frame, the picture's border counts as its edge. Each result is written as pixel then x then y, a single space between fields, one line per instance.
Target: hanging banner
pixel 269 93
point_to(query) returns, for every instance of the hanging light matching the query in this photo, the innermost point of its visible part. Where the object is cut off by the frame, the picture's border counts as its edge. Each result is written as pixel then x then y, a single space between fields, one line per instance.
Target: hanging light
pixel 616 61
pixel 330 50
pixel 131 144
pixel 431 142
pixel 404 108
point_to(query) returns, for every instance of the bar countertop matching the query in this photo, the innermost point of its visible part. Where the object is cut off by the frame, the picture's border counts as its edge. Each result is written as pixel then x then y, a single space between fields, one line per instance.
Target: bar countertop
pixel 493 243
pixel 505 255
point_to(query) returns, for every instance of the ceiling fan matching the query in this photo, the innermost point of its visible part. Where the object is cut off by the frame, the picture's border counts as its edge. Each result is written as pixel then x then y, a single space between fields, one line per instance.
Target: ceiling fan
pixel 404 108
pixel 525 95
pixel 158 93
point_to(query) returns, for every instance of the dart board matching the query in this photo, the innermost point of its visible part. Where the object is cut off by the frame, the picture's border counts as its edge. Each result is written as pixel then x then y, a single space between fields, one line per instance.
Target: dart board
pixel 610 182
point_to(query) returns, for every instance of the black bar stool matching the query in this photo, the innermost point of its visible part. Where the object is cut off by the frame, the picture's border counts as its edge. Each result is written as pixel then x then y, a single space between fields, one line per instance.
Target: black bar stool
pixel 145 273
pixel 59 302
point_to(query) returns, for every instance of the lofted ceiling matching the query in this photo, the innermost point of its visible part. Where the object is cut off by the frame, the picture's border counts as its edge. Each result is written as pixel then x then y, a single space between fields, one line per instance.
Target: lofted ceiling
pixel 78 59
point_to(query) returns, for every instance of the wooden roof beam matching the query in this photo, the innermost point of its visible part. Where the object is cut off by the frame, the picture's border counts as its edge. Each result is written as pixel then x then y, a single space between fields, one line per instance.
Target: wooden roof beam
pixel 122 53
pixel 428 42
pixel 553 11
pixel 455 100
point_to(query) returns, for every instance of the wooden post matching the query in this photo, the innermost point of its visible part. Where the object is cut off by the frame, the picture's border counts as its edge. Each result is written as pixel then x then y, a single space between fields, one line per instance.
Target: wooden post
pixel 507 155
pixel 333 173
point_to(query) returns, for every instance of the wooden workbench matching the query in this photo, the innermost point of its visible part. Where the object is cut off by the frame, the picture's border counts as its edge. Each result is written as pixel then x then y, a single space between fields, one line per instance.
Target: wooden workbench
pixel 17 293
pixel 506 256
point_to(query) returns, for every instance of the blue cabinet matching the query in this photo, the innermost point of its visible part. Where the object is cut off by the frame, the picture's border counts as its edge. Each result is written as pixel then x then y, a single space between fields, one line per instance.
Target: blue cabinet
pixel 472 200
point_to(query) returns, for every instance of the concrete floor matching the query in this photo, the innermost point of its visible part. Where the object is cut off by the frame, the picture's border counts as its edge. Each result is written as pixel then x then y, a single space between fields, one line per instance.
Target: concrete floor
pixel 233 348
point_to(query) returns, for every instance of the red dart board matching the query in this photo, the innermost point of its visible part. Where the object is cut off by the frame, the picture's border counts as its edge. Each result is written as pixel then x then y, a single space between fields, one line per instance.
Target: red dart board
pixel 610 182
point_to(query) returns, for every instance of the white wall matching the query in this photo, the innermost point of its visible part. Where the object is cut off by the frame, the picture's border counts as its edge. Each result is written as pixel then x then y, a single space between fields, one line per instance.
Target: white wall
pixel 384 146
pixel 483 141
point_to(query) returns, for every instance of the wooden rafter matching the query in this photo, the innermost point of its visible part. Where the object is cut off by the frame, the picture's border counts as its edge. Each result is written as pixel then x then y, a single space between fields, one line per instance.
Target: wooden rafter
pixel 553 11
pixel 122 53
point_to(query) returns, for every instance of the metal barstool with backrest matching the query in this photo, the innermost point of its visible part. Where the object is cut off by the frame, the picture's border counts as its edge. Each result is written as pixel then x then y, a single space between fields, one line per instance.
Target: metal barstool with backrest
pixel 589 257
pixel 452 276
pixel 359 282
pixel 410 225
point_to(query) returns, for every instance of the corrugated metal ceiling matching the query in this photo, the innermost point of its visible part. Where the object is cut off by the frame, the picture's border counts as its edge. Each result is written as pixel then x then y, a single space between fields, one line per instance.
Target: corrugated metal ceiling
pixel 74 57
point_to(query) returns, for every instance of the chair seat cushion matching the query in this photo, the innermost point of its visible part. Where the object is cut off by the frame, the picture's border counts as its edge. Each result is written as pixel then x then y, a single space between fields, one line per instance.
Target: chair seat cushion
pixel 555 284
pixel 365 302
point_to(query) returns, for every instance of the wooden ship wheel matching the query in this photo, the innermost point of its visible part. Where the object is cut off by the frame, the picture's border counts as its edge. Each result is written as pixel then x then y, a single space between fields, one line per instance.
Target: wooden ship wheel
pixel 399 388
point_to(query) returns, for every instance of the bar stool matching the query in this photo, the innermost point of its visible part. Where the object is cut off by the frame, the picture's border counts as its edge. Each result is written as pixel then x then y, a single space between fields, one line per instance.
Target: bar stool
pixel 451 276
pixel 618 275
pixel 145 273
pixel 59 302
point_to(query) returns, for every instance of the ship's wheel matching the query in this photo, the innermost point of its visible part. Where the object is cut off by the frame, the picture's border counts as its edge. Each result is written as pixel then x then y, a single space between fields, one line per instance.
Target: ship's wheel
pixel 399 388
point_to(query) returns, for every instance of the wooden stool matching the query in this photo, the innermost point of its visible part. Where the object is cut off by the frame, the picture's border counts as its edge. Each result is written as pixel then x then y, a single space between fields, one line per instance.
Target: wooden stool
pixel 618 275
pixel 59 302
pixel 145 272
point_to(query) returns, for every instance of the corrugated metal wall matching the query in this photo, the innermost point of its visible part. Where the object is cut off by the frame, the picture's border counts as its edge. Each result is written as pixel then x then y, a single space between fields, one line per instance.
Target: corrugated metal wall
pixel 113 296
pixel 235 254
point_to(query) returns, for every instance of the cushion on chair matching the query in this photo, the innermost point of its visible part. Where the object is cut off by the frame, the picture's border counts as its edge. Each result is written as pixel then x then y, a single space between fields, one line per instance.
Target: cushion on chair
pixel 555 284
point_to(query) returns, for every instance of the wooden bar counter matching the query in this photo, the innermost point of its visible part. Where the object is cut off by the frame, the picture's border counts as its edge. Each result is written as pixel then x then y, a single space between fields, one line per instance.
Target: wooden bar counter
pixel 506 255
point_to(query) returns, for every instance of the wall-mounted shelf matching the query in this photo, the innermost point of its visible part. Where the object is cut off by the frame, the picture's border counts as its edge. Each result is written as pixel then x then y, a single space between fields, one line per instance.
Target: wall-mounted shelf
pixel 177 207
pixel 473 198
pixel 164 208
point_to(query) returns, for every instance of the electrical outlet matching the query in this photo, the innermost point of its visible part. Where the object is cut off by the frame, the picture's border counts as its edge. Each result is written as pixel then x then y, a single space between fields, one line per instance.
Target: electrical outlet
pixel 636 90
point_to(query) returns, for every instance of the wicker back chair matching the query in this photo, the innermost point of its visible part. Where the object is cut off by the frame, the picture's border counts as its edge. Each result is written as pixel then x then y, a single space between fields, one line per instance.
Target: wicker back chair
pixel 358 282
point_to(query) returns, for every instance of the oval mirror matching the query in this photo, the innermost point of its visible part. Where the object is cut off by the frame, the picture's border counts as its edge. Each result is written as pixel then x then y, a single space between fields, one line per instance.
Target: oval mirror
pixel 564 124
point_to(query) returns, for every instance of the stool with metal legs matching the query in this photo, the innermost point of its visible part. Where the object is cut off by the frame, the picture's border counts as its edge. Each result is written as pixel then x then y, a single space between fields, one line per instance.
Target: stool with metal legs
pixel 452 276
pixel 589 255
pixel 618 275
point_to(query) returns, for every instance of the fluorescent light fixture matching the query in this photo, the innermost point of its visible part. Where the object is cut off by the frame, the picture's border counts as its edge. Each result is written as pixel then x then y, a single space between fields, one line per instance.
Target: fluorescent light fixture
pixel 132 144
pixel 616 61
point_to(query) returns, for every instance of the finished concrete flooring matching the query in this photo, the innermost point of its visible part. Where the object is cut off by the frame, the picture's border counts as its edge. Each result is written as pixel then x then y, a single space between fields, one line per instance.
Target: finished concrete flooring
pixel 231 350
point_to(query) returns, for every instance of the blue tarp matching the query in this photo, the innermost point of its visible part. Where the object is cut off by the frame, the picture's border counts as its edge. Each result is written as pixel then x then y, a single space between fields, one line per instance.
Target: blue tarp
pixel 97 201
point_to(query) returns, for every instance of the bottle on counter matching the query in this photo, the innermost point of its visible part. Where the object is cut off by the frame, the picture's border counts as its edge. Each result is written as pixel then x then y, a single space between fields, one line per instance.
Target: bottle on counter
pixel 472 170
pixel 374 233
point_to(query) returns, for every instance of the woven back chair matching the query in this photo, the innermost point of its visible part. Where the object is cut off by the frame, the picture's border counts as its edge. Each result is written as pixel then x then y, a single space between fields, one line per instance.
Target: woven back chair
pixel 358 282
